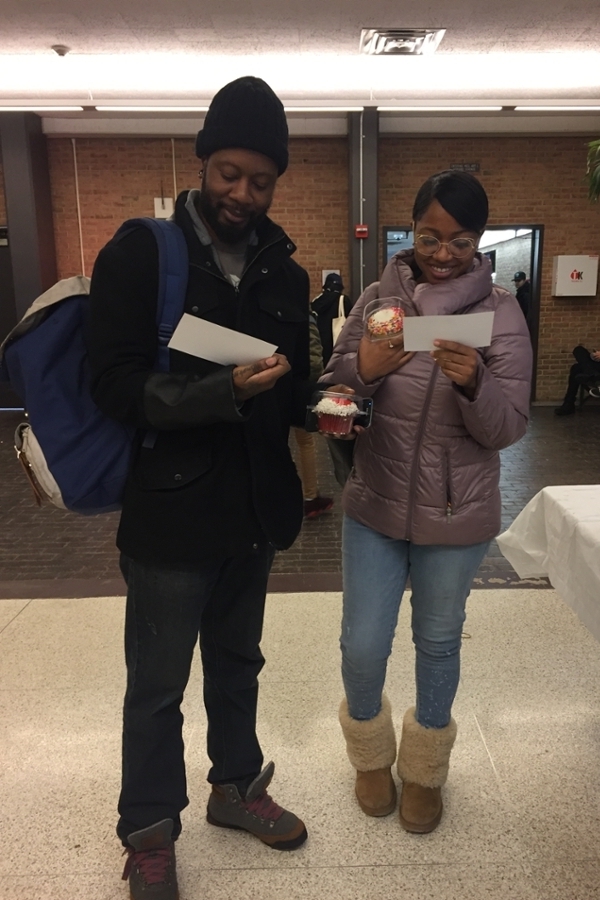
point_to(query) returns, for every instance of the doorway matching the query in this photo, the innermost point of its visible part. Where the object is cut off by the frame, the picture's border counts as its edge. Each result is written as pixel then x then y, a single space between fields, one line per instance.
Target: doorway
pixel 518 248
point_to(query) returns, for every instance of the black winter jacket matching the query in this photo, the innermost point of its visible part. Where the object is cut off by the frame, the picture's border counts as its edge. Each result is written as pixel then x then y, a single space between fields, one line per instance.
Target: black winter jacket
pixel 219 478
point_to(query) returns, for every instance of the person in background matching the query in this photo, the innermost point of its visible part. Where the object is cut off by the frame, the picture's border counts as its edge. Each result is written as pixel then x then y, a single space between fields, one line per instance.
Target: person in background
pixel 206 507
pixel 422 500
pixel 523 292
pixel 325 307
pixel 314 504
pixel 586 368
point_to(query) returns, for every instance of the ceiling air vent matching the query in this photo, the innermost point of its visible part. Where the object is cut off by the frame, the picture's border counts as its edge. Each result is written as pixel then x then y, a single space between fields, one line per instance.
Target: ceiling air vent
pixel 400 41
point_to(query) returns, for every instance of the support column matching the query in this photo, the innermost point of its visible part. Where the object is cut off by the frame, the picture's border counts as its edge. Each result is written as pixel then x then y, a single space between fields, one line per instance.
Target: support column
pixel 28 206
pixel 363 130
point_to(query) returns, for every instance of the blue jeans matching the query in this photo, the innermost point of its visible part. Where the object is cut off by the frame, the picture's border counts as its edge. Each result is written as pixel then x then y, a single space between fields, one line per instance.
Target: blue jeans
pixel 376 569
pixel 221 603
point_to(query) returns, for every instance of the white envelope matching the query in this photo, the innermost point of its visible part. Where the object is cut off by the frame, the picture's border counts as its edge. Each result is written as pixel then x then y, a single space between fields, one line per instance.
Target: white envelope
pixel 217 344
pixel 474 330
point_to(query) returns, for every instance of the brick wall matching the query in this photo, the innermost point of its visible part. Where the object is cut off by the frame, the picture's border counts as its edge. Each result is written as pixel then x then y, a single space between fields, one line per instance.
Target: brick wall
pixel 119 179
pixel 529 180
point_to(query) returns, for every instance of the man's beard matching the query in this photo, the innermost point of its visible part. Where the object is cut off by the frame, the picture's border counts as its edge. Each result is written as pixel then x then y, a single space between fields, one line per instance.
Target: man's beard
pixel 227 234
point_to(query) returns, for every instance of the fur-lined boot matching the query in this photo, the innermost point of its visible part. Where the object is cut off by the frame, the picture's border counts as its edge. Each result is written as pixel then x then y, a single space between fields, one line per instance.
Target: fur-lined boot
pixel 423 760
pixel 371 746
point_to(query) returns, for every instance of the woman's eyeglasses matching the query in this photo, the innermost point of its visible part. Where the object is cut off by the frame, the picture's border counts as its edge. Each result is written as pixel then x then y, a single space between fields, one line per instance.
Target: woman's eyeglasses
pixel 459 247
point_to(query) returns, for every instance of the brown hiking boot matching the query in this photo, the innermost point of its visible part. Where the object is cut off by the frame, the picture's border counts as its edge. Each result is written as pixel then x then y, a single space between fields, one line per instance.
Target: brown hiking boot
pixel 150 865
pixel 257 813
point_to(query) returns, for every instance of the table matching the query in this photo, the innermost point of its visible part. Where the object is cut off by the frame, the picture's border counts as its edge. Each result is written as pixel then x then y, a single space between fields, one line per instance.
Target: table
pixel 558 535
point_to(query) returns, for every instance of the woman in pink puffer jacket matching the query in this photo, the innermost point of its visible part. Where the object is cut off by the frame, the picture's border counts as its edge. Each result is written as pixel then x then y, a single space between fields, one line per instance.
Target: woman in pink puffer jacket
pixel 423 498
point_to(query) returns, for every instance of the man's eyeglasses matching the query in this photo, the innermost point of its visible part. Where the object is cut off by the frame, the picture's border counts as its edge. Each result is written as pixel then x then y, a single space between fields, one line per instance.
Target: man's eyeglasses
pixel 460 248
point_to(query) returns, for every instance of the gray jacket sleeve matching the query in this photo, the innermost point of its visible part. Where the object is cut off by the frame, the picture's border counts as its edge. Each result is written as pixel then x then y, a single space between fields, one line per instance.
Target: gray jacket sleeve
pixel 498 414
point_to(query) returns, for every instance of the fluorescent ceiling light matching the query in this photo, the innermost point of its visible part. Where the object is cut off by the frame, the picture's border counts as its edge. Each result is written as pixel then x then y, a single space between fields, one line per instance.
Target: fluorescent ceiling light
pixel 41 108
pixel 557 108
pixel 313 109
pixel 152 108
pixel 439 108
pixel 163 79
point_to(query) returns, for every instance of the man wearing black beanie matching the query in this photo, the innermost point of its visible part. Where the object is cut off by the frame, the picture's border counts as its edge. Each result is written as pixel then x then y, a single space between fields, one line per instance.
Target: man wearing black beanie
pixel 208 504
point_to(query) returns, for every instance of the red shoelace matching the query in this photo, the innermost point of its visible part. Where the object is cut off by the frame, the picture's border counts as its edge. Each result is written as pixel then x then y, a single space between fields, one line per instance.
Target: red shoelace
pixel 264 807
pixel 152 864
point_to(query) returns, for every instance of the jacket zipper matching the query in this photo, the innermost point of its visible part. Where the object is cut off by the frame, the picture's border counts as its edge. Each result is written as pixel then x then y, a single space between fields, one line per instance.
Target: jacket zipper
pixel 236 287
pixel 419 439
pixel 260 252
pixel 220 275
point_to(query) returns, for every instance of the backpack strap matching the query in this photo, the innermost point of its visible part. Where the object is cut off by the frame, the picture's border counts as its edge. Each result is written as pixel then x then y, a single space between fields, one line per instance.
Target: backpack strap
pixel 173 268
pixel 173 265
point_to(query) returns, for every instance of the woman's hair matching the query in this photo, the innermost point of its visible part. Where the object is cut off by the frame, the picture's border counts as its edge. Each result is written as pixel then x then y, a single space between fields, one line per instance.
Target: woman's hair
pixel 460 194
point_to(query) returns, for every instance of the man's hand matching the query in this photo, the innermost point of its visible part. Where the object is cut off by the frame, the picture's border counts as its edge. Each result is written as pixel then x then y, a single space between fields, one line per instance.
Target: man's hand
pixel 259 376
pixel 458 363
pixel 379 358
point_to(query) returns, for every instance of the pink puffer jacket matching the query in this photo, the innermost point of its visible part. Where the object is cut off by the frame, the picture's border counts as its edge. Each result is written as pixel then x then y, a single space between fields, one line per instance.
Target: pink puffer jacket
pixel 428 468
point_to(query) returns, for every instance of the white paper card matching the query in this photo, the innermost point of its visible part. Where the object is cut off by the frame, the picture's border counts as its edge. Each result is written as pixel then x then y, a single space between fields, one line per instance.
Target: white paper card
pixel 474 330
pixel 217 344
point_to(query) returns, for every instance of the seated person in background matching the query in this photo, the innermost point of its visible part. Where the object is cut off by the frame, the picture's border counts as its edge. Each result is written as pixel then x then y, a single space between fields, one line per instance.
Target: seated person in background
pixel 587 365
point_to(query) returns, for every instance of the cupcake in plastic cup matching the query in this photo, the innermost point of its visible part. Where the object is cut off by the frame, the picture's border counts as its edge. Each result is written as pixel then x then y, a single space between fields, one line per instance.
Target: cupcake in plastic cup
pixel 383 318
pixel 335 413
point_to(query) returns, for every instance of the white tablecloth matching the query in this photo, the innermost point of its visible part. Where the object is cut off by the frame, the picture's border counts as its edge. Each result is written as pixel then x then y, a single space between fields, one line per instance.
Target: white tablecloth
pixel 558 535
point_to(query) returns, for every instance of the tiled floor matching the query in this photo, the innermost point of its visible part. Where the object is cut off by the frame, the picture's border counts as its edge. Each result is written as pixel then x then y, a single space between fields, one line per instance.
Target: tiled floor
pixel 522 817
pixel 48 552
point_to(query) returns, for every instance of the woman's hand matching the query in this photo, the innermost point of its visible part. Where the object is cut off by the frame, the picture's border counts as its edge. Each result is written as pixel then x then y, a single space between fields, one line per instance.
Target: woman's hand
pixel 356 429
pixel 458 363
pixel 379 358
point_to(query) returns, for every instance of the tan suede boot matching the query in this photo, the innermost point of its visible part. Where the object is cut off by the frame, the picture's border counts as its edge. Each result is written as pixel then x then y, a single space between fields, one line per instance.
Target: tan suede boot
pixel 371 747
pixel 423 760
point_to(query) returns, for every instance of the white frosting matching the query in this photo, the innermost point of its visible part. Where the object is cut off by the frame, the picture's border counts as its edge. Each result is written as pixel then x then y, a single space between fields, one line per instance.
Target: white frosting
pixel 331 407
pixel 383 315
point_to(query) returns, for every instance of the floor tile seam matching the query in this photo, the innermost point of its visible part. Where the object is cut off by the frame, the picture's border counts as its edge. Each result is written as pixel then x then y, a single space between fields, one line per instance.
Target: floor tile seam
pixel 500 862
pixel 16 615
pixel 429 864
pixel 269 870
pixel 506 799
pixel 541 859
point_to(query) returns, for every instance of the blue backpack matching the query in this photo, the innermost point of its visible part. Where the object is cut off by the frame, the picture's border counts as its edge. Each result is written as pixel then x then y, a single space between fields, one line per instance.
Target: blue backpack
pixel 74 455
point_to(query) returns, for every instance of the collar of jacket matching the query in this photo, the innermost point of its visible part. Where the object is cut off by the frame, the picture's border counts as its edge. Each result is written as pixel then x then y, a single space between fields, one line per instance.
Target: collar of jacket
pixel 268 232
pixel 446 299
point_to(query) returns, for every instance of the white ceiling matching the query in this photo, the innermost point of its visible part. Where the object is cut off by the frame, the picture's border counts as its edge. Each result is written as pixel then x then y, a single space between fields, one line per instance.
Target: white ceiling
pixel 292 26
pixel 181 51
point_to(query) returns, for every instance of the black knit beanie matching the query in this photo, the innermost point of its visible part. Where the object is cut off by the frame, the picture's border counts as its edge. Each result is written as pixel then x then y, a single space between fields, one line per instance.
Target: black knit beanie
pixel 246 113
